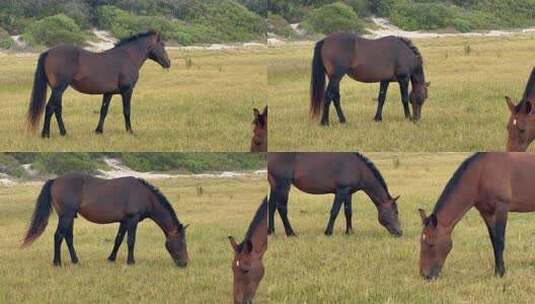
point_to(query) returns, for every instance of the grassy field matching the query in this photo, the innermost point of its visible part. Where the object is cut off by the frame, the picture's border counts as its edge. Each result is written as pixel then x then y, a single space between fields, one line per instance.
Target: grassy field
pixel 466 109
pixel 203 103
pixel 226 207
pixel 372 267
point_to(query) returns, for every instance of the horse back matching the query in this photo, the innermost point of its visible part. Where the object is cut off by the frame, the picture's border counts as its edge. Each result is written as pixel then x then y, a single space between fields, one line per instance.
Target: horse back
pixel 61 64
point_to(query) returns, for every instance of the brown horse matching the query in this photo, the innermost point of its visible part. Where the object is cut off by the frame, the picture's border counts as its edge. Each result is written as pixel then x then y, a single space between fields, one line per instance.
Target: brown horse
pixel 493 183
pixel 114 71
pixel 260 131
pixel 320 173
pixel 382 60
pixel 521 126
pixel 125 200
pixel 247 266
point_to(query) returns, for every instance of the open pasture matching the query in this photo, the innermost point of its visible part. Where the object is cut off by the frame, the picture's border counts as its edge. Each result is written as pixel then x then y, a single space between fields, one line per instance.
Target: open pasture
pixel 214 208
pixel 203 103
pixel 370 266
pixel 465 111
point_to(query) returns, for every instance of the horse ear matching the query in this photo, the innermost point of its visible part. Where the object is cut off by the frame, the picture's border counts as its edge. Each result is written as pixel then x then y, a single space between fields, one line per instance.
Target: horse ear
pixel 233 243
pixel 433 220
pixel 185 227
pixel 510 103
pixel 256 113
pixel 264 112
pixel 422 215
pixel 428 84
pixel 395 199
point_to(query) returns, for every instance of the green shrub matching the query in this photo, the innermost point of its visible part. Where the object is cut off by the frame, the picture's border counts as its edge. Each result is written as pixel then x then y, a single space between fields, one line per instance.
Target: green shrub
pixel 53 30
pixel 5 40
pixel 279 25
pixel 63 163
pixel 428 16
pixel 359 6
pixel 10 165
pixel 333 18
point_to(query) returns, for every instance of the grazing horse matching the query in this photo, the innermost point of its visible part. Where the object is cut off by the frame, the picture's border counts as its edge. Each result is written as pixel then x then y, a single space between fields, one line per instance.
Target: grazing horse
pixel 320 173
pixel 126 200
pixel 114 71
pixel 521 126
pixel 493 183
pixel 383 60
pixel 260 131
pixel 247 265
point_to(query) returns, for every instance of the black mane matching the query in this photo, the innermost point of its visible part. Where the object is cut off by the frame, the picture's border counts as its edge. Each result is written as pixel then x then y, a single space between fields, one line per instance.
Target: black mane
pixel 261 214
pixel 414 49
pixel 374 170
pixel 530 86
pixel 163 201
pixel 454 180
pixel 135 37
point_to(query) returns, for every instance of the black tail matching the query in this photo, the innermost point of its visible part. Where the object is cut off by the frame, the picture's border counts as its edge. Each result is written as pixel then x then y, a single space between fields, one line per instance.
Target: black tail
pixel 38 98
pixel 317 82
pixel 40 216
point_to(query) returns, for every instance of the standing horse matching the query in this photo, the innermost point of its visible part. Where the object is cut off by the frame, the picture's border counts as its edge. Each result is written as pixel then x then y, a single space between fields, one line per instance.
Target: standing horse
pixel 320 173
pixel 125 200
pixel 247 266
pixel 493 183
pixel 521 126
pixel 382 60
pixel 114 71
pixel 260 131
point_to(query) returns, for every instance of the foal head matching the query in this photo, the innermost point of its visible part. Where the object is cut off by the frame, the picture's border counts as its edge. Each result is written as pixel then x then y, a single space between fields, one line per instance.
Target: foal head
pixel 156 50
pixel 435 245
pixel 521 125
pixel 176 246
pixel 259 140
pixel 389 216
pixel 248 270
pixel 417 98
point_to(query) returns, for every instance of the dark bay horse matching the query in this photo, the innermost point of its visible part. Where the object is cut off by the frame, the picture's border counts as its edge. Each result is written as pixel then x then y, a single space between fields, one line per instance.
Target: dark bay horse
pixel 114 71
pixel 260 131
pixel 247 266
pixel 521 125
pixel 493 183
pixel 320 173
pixel 383 60
pixel 125 200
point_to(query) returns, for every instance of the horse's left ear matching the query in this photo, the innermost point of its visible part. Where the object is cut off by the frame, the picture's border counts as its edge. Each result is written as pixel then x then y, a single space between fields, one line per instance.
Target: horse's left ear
pixel 395 199
pixel 510 103
pixel 186 226
pixel 256 113
pixel 264 112
pixel 233 243
pixel 428 84
pixel 423 216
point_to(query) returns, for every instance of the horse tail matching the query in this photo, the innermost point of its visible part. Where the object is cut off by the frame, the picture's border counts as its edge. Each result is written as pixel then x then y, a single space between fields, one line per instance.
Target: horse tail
pixel 37 100
pixel 317 82
pixel 40 216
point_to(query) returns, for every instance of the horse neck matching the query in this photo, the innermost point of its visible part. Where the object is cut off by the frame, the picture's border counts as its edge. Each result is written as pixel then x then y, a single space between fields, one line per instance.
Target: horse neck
pixel 137 51
pixel 418 76
pixel 374 188
pixel 259 235
pixel 461 199
pixel 163 218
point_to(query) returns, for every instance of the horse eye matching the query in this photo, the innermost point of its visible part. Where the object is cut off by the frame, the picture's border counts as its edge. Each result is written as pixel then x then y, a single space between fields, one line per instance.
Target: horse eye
pixel 521 131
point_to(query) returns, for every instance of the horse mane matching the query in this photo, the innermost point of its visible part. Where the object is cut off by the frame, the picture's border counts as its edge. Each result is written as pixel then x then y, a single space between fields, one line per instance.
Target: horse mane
pixel 374 170
pixel 135 37
pixel 162 200
pixel 454 180
pixel 414 49
pixel 530 86
pixel 261 214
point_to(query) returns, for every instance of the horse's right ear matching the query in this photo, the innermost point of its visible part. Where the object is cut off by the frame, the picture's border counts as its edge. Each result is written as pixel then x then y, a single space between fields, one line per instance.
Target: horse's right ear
pixel 264 112
pixel 510 104
pixel 422 215
pixel 233 243
pixel 256 113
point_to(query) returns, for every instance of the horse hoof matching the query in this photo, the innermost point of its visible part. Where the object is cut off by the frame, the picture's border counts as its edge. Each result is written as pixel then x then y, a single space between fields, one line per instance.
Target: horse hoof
pixel 378 119
pixel 63 133
pixel 328 233
pixel 349 232
pixel 131 263
pixel 111 260
pixel 57 264
pixel 75 261
pixel 291 234
pixel 99 131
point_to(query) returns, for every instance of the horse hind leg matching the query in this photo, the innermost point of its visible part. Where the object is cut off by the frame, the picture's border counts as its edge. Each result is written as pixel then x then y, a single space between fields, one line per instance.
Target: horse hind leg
pixel 118 241
pixel 381 100
pixel 70 244
pixel 103 112
pixel 336 101
pixel 331 94
pixel 64 224
pixel 53 106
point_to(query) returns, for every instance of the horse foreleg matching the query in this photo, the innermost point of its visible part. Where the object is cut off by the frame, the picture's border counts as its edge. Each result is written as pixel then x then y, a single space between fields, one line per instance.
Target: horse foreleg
pixel 272 205
pixel 337 203
pixel 118 241
pixel 132 227
pixel 404 90
pixel 281 199
pixel 127 96
pixel 496 223
pixel 381 100
pixel 348 210
pixel 103 112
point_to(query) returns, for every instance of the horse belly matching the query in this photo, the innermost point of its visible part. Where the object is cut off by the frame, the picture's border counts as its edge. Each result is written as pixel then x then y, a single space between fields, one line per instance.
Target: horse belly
pixel 367 74
pixel 93 86
pixel 101 213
